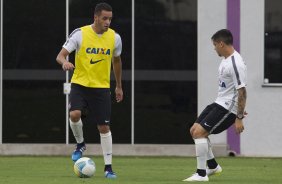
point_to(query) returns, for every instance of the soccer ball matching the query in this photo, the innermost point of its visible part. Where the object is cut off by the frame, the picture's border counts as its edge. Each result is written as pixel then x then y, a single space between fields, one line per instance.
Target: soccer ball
pixel 84 167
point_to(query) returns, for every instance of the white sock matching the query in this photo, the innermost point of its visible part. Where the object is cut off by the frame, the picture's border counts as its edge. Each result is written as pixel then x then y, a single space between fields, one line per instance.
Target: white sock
pixel 201 145
pixel 76 128
pixel 107 147
pixel 210 153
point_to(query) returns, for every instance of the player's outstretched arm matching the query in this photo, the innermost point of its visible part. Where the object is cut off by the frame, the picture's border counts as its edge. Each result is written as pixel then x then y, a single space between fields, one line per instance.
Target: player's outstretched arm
pixel 61 59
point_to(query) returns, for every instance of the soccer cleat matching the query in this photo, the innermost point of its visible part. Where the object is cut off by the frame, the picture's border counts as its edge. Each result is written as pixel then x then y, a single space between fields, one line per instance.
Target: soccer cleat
pixel 110 175
pixel 197 177
pixel 77 154
pixel 215 171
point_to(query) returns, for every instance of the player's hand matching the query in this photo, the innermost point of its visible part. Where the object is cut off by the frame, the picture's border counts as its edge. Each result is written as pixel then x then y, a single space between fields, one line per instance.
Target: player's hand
pixel 67 66
pixel 239 127
pixel 119 94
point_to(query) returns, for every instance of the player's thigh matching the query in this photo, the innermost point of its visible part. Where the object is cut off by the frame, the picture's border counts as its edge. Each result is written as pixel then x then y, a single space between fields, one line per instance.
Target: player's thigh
pixel 214 118
pixel 100 107
pixel 205 112
pixel 77 101
pixel 225 124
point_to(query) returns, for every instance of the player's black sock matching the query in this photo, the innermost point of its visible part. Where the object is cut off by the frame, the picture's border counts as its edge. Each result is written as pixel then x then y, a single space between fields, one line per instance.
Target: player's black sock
pixel 81 144
pixel 108 168
pixel 202 172
pixel 212 164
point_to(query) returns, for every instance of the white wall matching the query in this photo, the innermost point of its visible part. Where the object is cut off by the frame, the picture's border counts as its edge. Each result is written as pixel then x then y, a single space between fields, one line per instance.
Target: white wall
pixel 263 126
pixel 211 18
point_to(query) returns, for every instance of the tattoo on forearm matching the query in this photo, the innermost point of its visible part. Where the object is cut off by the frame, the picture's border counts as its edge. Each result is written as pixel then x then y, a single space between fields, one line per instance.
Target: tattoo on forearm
pixel 242 97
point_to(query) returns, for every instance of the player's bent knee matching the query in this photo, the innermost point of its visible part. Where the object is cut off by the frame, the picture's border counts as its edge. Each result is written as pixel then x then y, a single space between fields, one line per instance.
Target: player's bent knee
pixel 103 129
pixel 75 115
pixel 199 133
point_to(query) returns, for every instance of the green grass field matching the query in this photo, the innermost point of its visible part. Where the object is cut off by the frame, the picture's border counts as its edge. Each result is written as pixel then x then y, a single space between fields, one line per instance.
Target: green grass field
pixel 139 170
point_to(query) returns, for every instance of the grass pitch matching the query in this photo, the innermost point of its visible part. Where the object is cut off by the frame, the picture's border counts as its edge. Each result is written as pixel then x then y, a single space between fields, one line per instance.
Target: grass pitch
pixel 137 170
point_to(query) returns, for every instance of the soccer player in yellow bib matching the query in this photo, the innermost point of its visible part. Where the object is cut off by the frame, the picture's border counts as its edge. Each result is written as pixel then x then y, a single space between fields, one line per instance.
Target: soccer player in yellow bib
pixel 97 47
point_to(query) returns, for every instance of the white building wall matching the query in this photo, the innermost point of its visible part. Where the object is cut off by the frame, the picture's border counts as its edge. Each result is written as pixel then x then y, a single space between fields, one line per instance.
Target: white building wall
pixel 263 126
pixel 211 18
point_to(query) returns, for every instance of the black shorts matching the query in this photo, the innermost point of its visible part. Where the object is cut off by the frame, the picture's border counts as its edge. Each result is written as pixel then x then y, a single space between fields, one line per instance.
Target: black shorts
pixel 216 118
pixel 94 103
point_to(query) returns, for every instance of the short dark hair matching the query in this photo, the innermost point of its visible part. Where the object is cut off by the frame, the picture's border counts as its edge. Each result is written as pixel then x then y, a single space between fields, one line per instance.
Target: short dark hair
pixel 223 35
pixel 102 6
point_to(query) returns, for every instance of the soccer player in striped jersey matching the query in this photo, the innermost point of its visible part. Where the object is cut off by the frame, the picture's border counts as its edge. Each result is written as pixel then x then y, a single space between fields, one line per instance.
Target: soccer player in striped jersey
pixel 97 47
pixel 228 108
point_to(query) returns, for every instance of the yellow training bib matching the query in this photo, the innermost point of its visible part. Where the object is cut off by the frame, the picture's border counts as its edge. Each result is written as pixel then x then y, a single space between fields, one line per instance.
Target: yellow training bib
pixel 93 60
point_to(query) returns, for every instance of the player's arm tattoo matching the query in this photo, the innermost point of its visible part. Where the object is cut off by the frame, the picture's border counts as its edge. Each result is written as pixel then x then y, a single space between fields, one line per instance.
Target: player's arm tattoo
pixel 242 97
